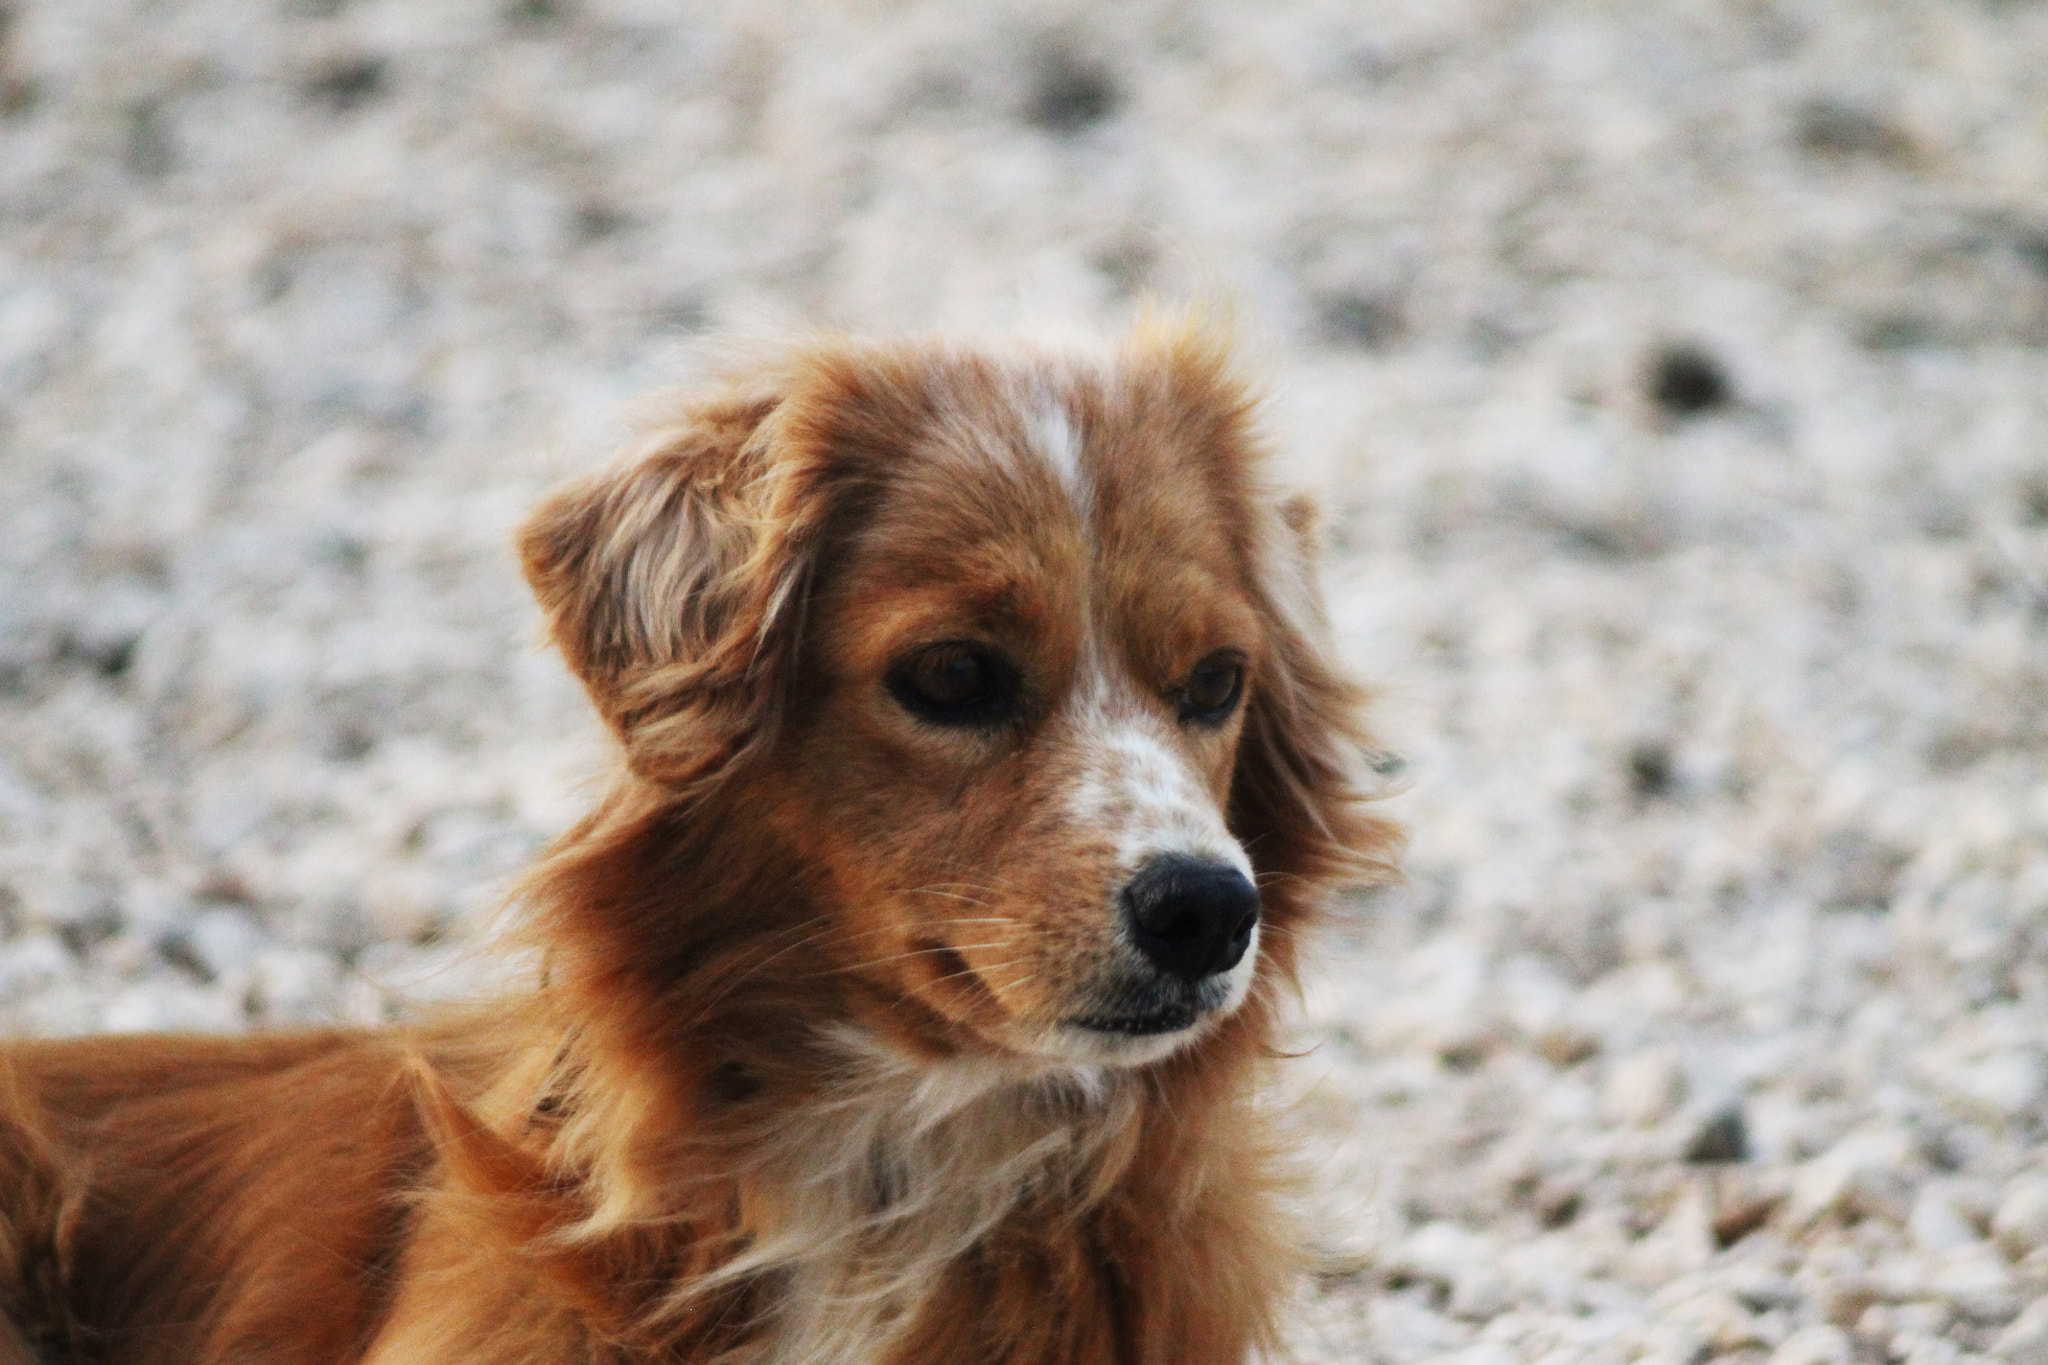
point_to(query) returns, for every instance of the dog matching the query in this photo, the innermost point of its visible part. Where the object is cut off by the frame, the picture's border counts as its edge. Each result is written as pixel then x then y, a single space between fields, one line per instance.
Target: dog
pixel 907 996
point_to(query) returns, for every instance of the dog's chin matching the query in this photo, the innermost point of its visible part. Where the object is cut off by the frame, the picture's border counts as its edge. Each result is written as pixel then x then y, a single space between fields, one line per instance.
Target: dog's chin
pixel 1086 1045
pixel 1134 1027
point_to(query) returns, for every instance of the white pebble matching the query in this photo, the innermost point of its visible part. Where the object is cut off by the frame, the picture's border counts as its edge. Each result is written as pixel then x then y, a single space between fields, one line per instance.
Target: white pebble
pixel 1937 1225
pixel 1814 1346
pixel 1722 1320
pixel 1465 1262
pixel 1978 1281
pixel 1864 1172
pixel 1911 1348
pixel 2021 1222
pixel 225 940
pixel 164 1004
pixel 1643 1088
pixel 33 963
pixel 296 986
pixel 153 911
pixel 2025 1341
pixel 2000 1086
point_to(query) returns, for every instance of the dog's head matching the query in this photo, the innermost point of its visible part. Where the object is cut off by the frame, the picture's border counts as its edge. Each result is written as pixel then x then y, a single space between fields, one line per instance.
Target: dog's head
pixel 1007 654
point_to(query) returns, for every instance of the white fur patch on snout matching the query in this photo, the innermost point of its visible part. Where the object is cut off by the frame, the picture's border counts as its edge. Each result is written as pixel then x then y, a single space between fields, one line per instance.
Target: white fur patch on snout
pixel 1135 788
pixel 1151 801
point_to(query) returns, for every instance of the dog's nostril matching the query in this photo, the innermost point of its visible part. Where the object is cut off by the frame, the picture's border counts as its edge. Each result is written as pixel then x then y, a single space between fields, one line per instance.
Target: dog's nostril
pixel 1190 917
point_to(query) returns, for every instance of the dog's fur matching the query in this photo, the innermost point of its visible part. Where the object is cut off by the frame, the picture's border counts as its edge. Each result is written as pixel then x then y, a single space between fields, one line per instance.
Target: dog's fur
pixel 800 1078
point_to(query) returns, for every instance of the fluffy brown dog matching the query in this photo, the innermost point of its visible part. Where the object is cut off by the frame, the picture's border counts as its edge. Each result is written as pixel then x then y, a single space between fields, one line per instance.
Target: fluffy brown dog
pixel 906 997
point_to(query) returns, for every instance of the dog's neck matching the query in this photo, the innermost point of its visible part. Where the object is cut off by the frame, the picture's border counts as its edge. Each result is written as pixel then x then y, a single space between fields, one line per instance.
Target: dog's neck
pixel 902 1169
pixel 855 1204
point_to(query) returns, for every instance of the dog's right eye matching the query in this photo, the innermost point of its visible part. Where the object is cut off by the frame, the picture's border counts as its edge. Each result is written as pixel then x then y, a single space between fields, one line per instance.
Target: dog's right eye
pixel 956 683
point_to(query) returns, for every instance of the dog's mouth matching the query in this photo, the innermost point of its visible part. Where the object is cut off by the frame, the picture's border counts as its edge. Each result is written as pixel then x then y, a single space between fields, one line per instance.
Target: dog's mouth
pixel 1169 1020
pixel 1149 1009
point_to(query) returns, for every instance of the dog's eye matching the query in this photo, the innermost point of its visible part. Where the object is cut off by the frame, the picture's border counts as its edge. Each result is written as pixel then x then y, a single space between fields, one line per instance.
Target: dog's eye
pixel 956 683
pixel 1213 689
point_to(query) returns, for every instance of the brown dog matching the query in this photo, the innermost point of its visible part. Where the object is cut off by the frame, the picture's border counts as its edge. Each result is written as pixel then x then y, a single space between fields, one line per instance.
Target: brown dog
pixel 905 998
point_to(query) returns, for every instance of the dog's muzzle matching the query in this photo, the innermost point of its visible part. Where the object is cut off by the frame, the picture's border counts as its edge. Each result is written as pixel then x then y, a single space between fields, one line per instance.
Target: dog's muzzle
pixel 1190 920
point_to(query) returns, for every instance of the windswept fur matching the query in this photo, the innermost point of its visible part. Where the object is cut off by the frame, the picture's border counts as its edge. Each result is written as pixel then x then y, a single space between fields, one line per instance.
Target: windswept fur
pixel 848 1047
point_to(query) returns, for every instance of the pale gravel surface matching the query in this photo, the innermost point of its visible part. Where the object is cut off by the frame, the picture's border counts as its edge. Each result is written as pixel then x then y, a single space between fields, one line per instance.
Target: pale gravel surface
pixel 1727 731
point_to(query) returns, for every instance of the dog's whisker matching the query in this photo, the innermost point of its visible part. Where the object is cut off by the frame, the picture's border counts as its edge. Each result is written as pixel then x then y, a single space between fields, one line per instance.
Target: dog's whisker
pixel 954 895
pixel 998 886
pixel 931 924
pixel 1016 981
pixel 828 931
pixel 980 972
pixel 920 952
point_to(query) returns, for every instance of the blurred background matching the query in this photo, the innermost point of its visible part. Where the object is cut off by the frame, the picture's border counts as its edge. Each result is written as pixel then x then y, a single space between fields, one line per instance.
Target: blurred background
pixel 1674 377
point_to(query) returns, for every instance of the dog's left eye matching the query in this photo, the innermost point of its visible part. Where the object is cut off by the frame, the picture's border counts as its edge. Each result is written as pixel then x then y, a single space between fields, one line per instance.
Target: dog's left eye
pixel 1213 689
pixel 956 683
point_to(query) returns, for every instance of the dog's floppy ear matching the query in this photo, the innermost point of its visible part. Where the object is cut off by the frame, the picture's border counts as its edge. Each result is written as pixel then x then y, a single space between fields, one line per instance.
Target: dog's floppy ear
pixel 673 584
pixel 1295 799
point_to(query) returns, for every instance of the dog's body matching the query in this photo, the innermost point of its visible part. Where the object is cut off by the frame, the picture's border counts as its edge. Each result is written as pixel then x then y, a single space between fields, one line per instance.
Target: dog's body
pixel 906 997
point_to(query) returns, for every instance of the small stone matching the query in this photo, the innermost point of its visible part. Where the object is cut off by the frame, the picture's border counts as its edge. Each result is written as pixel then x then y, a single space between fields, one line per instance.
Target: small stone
pixel 1937 1225
pixel 1724 1322
pixel 1408 1328
pixel 1760 1288
pixel 224 940
pixel 1686 381
pixel 1814 1346
pixel 1724 1137
pixel 344 84
pixel 1979 1283
pixel 1926 1317
pixel 1739 1212
pixel 1838 130
pixel 1975 1199
pixel 1863 1174
pixel 1912 1348
pixel 2020 1224
pixel 1643 1088
pixel 293 986
pixel 1665 1342
pixel 1564 1046
pixel 1463 1261
pixel 2001 1086
pixel 165 1005
pixel 155 911
pixel 33 963
pixel 1070 91
pixel 2025 1340
pixel 1876 1328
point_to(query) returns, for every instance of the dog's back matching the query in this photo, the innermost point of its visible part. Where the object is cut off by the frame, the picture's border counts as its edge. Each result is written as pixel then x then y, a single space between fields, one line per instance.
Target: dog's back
pixel 175 1199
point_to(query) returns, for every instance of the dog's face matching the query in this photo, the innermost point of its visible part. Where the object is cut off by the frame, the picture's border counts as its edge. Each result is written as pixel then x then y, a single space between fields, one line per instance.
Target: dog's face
pixel 1026 681
pixel 1021 680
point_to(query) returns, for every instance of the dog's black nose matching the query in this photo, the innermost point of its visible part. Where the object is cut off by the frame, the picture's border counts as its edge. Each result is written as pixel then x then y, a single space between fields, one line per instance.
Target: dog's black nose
pixel 1190 917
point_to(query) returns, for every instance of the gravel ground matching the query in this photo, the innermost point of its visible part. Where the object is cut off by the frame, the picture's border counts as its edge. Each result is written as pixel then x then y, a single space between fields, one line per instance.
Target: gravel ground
pixel 1675 377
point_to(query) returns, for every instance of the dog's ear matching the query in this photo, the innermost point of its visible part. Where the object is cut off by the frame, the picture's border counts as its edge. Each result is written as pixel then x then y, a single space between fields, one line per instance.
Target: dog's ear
pixel 1296 800
pixel 673 584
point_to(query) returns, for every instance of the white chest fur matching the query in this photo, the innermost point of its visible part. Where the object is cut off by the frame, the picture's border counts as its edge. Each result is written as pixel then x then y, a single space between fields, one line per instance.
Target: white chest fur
pixel 903 1171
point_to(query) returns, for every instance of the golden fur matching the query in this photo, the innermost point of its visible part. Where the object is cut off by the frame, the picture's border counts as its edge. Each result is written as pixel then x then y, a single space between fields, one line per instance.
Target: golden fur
pixel 812 1073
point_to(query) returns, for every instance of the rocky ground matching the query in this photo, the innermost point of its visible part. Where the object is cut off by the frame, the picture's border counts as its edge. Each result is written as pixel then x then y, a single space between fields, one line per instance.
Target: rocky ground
pixel 1675 377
